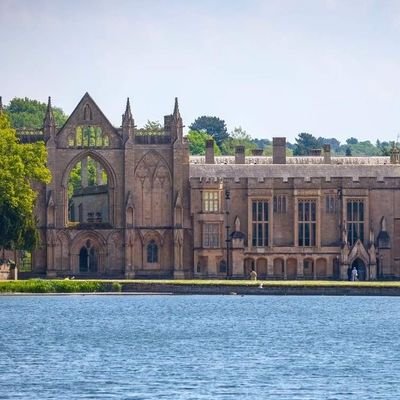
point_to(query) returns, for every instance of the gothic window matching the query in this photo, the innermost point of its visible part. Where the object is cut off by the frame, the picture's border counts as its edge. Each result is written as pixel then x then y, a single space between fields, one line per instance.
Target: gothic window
pixel 89 136
pixel 210 201
pixel 87 113
pixel 330 204
pixel 280 202
pixel 260 218
pixel 355 221
pixel 152 252
pixel 211 235
pixel 307 222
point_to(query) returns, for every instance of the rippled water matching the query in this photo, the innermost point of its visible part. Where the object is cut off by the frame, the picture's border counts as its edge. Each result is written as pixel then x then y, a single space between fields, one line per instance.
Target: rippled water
pixel 199 347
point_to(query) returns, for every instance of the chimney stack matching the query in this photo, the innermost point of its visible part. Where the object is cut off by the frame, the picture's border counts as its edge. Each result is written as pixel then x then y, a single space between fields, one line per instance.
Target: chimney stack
pixel 279 150
pixel 210 151
pixel 239 155
pixel 257 152
pixel 327 153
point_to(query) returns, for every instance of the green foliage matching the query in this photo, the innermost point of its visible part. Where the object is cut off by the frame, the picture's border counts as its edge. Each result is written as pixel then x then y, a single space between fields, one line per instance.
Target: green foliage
pixel 27 113
pixel 238 137
pixel 21 165
pixel 214 126
pixel 151 128
pixel 197 143
pixel 53 286
pixel 116 287
pixel 304 143
pixel 352 141
pixel 262 143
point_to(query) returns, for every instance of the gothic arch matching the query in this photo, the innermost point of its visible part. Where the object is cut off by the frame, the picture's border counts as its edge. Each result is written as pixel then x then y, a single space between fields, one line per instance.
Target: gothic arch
pixel 111 182
pixel 89 239
pixel 153 181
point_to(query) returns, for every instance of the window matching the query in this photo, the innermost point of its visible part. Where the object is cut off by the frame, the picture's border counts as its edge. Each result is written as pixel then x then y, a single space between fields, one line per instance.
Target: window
pixel 355 221
pixel 88 136
pixel 307 222
pixel 152 252
pixel 210 201
pixel 211 235
pixel 260 223
pixel 330 204
pixel 280 204
pixel 222 266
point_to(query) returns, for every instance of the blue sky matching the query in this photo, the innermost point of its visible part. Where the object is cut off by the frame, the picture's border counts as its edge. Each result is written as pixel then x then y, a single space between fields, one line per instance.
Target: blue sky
pixel 276 68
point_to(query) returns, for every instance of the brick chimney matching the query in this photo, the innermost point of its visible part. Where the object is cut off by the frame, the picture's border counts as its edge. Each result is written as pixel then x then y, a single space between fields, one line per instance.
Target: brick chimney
pixel 279 150
pixel 210 151
pixel 239 155
pixel 327 153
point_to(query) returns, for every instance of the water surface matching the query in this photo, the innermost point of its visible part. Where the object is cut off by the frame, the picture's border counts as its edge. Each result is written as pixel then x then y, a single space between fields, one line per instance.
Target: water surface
pixel 199 347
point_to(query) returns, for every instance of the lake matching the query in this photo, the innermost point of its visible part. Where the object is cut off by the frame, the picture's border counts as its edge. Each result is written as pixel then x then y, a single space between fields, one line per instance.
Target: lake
pixel 199 347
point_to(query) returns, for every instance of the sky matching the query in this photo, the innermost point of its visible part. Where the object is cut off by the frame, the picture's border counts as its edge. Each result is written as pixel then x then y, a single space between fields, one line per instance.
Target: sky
pixel 275 68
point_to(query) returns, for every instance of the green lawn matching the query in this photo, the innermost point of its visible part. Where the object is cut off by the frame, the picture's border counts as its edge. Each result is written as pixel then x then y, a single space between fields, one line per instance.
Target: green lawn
pixel 96 285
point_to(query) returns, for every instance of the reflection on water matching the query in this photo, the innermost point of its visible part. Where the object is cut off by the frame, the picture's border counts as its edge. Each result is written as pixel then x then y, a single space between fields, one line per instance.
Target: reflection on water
pixel 199 347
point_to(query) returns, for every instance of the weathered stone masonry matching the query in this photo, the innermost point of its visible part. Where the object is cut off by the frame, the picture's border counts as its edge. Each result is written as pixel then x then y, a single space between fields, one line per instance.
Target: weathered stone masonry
pixel 144 208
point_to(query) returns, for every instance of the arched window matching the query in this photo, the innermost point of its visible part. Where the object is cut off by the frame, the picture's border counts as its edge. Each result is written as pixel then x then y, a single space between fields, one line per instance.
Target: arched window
pixel 152 252
pixel 87 113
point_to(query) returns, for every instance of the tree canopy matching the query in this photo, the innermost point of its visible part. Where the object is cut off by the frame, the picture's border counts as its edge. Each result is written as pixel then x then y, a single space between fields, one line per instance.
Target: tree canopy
pixel 27 113
pixel 304 143
pixel 21 165
pixel 238 137
pixel 214 126
pixel 197 143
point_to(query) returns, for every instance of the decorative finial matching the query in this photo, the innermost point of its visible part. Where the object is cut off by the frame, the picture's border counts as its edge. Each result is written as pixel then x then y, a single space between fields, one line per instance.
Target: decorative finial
pixel 176 109
pixel 127 119
pixel 49 117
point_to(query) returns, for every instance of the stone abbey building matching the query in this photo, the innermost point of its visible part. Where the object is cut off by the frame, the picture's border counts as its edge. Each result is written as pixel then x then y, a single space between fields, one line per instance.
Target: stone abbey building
pixel 124 203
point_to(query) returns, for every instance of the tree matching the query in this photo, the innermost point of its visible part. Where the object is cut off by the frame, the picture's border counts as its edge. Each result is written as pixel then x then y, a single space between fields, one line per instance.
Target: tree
pixel 214 126
pixel 238 137
pixel 304 143
pixel 348 151
pixel 334 143
pixel 21 165
pixel 197 143
pixel 27 113
pixel 151 128
pixel 352 140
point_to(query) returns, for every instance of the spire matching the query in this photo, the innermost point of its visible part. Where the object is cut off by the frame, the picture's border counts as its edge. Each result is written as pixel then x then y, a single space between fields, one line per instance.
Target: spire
pixel 49 124
pixel 176 113
pixel 49 121
pixel 127 119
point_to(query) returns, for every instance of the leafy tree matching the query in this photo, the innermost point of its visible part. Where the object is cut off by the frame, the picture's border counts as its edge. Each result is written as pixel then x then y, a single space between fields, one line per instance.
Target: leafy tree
pixel 21 165
pixel 151 128
pixel 304 143
pixel 27 113
pixel 214 126
pixel 197 143
pixel 384 147
pixel 352 140
pixel 261 143
pixel 334 143
pixel 238 137
pixel 348 151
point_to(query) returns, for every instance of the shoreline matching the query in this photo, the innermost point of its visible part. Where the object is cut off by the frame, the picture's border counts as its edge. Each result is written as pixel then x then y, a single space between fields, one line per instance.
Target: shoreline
pixel 155 287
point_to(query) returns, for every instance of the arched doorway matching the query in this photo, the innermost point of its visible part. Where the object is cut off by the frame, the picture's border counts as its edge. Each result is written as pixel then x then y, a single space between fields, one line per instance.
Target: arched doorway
pixel 262 268
pixel 248 267
pixel 87 260
pixel 278 268
pixel 361 269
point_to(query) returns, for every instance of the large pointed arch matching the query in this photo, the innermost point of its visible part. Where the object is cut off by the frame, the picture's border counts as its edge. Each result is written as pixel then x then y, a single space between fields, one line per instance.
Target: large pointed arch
pixel 111 182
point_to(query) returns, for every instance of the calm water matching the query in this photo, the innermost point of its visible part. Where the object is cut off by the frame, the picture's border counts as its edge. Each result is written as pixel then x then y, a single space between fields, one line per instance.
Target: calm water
pixel 199 347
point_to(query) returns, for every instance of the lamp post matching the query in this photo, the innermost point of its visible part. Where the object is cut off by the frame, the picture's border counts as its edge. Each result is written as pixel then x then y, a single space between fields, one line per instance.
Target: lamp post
pixel 227 198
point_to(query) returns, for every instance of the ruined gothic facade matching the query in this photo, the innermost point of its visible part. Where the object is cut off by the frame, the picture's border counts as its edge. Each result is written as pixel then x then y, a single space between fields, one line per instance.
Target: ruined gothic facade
pixel 127 203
